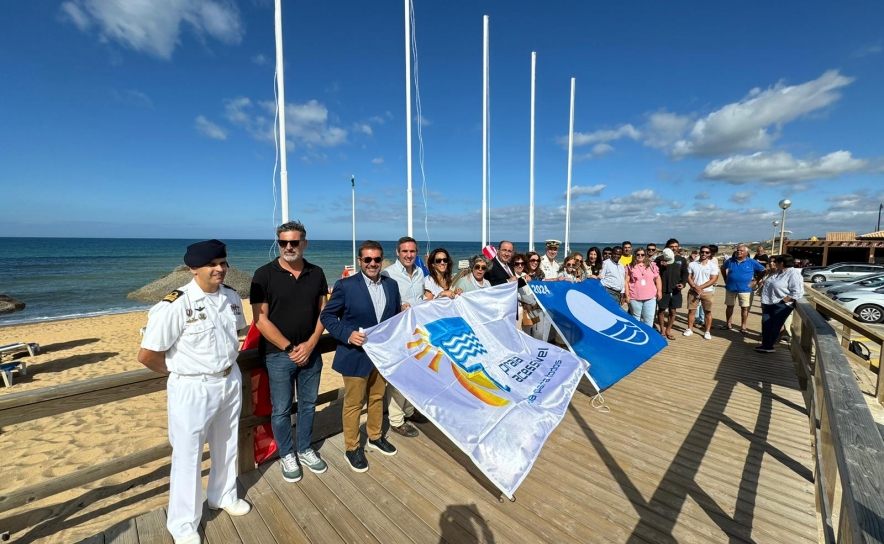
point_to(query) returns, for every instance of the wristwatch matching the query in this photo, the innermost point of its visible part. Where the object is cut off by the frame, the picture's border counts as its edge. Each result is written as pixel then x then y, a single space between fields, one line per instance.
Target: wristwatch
pixel 289 348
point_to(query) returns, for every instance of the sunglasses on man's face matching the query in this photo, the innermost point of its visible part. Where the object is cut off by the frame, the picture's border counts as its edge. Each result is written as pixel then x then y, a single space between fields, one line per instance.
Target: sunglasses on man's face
pixel 706 252
pixel 284 243
pixel 369 260
pixel 443 260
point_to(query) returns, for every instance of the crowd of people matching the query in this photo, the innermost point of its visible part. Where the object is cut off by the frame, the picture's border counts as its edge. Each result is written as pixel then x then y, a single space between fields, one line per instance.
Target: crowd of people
pixel 192 335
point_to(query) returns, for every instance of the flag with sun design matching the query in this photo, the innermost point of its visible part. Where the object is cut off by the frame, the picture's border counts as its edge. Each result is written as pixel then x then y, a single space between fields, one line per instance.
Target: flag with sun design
pixel 496 392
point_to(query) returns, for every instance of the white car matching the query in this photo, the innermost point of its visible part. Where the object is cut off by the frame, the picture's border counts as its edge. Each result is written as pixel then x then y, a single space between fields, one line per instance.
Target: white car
pixel 867 306
pixel 826 286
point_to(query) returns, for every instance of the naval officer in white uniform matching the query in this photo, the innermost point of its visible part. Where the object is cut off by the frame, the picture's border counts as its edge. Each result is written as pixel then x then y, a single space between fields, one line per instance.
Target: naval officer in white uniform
pixel 191 335
pixel 548 263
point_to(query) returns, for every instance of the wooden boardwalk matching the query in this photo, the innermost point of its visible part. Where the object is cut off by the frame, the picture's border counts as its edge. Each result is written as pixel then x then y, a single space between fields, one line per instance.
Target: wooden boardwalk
pixel 707 442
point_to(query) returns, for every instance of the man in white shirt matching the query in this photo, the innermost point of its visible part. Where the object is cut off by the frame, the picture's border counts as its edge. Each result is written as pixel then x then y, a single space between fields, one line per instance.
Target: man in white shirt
pixel 702 275
pixel 410 280
pixel 613 276
pixel 548 263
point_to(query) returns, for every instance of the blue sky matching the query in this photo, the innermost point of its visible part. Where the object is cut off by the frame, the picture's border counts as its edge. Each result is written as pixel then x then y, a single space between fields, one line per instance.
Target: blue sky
pixel 693 119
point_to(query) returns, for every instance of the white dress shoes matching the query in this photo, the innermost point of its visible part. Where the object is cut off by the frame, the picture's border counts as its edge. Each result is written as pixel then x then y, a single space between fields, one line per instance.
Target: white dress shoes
pixel 239 508
pixel 192 538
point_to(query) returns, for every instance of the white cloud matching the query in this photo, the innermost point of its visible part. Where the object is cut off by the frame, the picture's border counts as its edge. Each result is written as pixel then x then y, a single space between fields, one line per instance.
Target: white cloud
pixel 363 128
pixel 424 122
pixel 601 136
pixel 209 129
pixel 377 120
pixel 781 168
pixel 260 60
pixel 133 97
pixel 154 26
pixel 580 190
pixel 664 129
pixel 872 49
pixel 702 195
pixel 741 197
pixel 598 151
pixel 377 160
pixel 745 125
pixel 306 124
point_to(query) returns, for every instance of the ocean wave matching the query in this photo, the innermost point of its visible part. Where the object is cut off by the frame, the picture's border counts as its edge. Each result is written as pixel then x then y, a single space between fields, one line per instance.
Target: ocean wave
pixel 46 319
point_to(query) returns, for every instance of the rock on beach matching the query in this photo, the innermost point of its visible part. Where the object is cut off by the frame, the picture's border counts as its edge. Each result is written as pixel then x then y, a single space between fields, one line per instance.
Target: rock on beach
pixel 155 291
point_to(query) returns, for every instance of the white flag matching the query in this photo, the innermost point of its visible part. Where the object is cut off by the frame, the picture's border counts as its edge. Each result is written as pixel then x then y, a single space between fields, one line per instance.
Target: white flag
pixel 496 392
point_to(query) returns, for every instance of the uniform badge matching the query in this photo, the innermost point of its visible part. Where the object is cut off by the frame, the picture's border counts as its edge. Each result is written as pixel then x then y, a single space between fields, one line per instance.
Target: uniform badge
pixel 173 296
pixel 201 309
pixel 236 309
pixel 192 320
pixel 189 312
pixel 202 316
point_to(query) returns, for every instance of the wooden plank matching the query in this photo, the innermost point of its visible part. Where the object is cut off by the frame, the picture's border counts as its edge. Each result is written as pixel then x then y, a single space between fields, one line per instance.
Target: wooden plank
pixel 124 532
pixel 47 488
pixel 270 507
pixel 306 515
pixel 251 528
pixel 405 508
pixel 152 528
pixel 245 448
pixel 218 527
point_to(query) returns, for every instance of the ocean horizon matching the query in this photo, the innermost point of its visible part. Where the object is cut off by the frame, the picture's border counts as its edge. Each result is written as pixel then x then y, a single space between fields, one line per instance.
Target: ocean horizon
pixel 66 278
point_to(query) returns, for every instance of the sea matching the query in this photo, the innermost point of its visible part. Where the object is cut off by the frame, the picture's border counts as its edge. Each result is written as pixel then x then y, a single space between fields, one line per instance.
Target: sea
pixel 63 278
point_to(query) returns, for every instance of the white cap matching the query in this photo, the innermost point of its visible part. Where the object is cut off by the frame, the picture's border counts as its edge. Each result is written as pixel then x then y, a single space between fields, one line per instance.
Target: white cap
pixel 668 256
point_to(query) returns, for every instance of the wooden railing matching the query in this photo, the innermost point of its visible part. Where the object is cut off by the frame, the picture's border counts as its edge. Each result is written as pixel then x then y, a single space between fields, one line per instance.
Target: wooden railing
pixel 849 325
pixel 52 401
pixel 847 446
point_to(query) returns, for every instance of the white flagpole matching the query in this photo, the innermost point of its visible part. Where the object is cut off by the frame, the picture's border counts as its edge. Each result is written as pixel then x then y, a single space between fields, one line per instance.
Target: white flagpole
pixel 570 162
pixel 408 116
pixel 531 178
pixel 280 104
pixel 353 198
pixel 485 132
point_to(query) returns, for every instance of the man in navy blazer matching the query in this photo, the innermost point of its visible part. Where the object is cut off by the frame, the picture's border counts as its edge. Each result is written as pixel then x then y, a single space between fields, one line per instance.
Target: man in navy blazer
pixel 358 302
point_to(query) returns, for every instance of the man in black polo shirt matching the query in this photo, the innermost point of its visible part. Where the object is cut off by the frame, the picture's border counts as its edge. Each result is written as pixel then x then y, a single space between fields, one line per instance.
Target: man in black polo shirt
pixel 287 296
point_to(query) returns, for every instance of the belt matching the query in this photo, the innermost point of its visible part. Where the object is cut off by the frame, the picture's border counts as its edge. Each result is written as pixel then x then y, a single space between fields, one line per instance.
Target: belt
pixel 222 374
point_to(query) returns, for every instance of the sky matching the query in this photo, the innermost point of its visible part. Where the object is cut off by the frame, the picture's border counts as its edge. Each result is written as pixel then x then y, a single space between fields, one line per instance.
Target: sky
pixel 155 118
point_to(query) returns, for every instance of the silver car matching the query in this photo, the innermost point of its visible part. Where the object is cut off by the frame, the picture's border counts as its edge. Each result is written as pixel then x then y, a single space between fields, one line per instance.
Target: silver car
pixel 841 271
pixel 827 286
pixel 864 285
pixel 866 306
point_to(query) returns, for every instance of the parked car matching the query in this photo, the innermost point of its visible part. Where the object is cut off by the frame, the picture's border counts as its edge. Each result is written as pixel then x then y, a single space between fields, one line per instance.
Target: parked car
pixel 841 271
pixel 864 285
pixel 867 306
pixel 827 286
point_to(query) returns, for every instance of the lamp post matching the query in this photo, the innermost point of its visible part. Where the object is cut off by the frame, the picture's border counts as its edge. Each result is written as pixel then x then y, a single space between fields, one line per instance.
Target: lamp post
pixel 773 237
pixel 784 205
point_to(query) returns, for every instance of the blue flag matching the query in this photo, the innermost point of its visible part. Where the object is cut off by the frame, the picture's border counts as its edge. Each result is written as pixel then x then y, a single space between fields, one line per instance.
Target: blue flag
pixel 597 329
pixel 420 264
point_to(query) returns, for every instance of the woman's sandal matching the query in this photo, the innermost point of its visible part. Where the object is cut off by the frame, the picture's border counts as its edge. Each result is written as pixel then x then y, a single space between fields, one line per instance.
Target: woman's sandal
pixel 670 336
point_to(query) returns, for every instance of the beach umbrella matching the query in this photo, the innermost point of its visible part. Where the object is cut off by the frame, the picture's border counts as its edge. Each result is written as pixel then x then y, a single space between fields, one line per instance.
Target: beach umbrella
pixel 156 290
pixel 9 305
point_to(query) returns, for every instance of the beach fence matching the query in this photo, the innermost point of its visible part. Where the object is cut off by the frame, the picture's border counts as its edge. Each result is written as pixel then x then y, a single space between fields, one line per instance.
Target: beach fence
pixel 56 400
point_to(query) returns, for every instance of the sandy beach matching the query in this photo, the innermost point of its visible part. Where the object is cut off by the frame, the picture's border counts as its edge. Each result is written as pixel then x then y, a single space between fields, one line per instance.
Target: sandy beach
pixel 74 350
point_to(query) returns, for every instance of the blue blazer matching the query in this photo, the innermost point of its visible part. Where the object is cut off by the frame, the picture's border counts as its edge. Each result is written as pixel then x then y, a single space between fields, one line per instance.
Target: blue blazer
pixel 350 308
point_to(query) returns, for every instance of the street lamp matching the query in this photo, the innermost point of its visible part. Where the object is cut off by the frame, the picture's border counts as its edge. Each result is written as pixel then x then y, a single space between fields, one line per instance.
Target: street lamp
pixel 784 205
pixel 773 236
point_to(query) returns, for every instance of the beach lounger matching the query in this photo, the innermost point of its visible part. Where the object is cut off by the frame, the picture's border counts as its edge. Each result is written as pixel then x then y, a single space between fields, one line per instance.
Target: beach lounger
pixel 6 369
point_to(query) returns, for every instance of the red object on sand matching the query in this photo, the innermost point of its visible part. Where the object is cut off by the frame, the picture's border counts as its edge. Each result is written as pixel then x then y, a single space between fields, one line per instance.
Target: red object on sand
pixel 265 445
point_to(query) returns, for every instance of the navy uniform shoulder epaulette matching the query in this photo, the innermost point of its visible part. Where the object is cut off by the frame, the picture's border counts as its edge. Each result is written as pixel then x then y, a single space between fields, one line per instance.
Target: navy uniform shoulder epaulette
pixel 173 296
pixel 229 287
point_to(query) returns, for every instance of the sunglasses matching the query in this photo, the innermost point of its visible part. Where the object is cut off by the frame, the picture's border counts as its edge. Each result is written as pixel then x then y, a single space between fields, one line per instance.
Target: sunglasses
pixel 443 260
pixel 651 250
pixel 569 266
pixel 706 252
pixel 480 267
pixel 639 254
pixel 369 260
pixel 284 243
pixel 533 260
pixel 519 263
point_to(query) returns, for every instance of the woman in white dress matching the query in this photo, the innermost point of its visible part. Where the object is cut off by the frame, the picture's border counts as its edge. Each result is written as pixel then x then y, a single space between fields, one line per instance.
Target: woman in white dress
pixel 438 283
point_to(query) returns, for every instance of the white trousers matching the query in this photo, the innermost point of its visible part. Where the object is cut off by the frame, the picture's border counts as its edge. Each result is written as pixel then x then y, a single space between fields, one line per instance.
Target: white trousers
pixel 398 407
pixel 201 408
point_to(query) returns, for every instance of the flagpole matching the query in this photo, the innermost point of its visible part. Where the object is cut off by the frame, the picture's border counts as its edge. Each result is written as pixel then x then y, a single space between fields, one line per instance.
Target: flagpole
pixel 485 131
pixel 353 199
pixel 280 105
pixel 409 191
pixel 570 163
pixel 531 177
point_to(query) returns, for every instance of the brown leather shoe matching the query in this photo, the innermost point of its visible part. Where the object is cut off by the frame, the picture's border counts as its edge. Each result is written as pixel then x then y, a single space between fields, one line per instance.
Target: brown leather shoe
pixel 405 430
pixel 417 417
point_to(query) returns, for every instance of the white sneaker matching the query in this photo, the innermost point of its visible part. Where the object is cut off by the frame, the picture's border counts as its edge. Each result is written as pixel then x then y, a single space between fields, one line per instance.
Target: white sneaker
pixel 239 508
pixel 688 332
pixel 192 538
pixel 707 336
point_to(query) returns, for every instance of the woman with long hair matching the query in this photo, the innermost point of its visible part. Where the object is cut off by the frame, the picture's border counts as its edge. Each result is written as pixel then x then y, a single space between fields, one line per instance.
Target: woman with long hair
pixel 438 283
pixel 532 266
pixel 594 263
pixel 569 271
pixel 643 287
